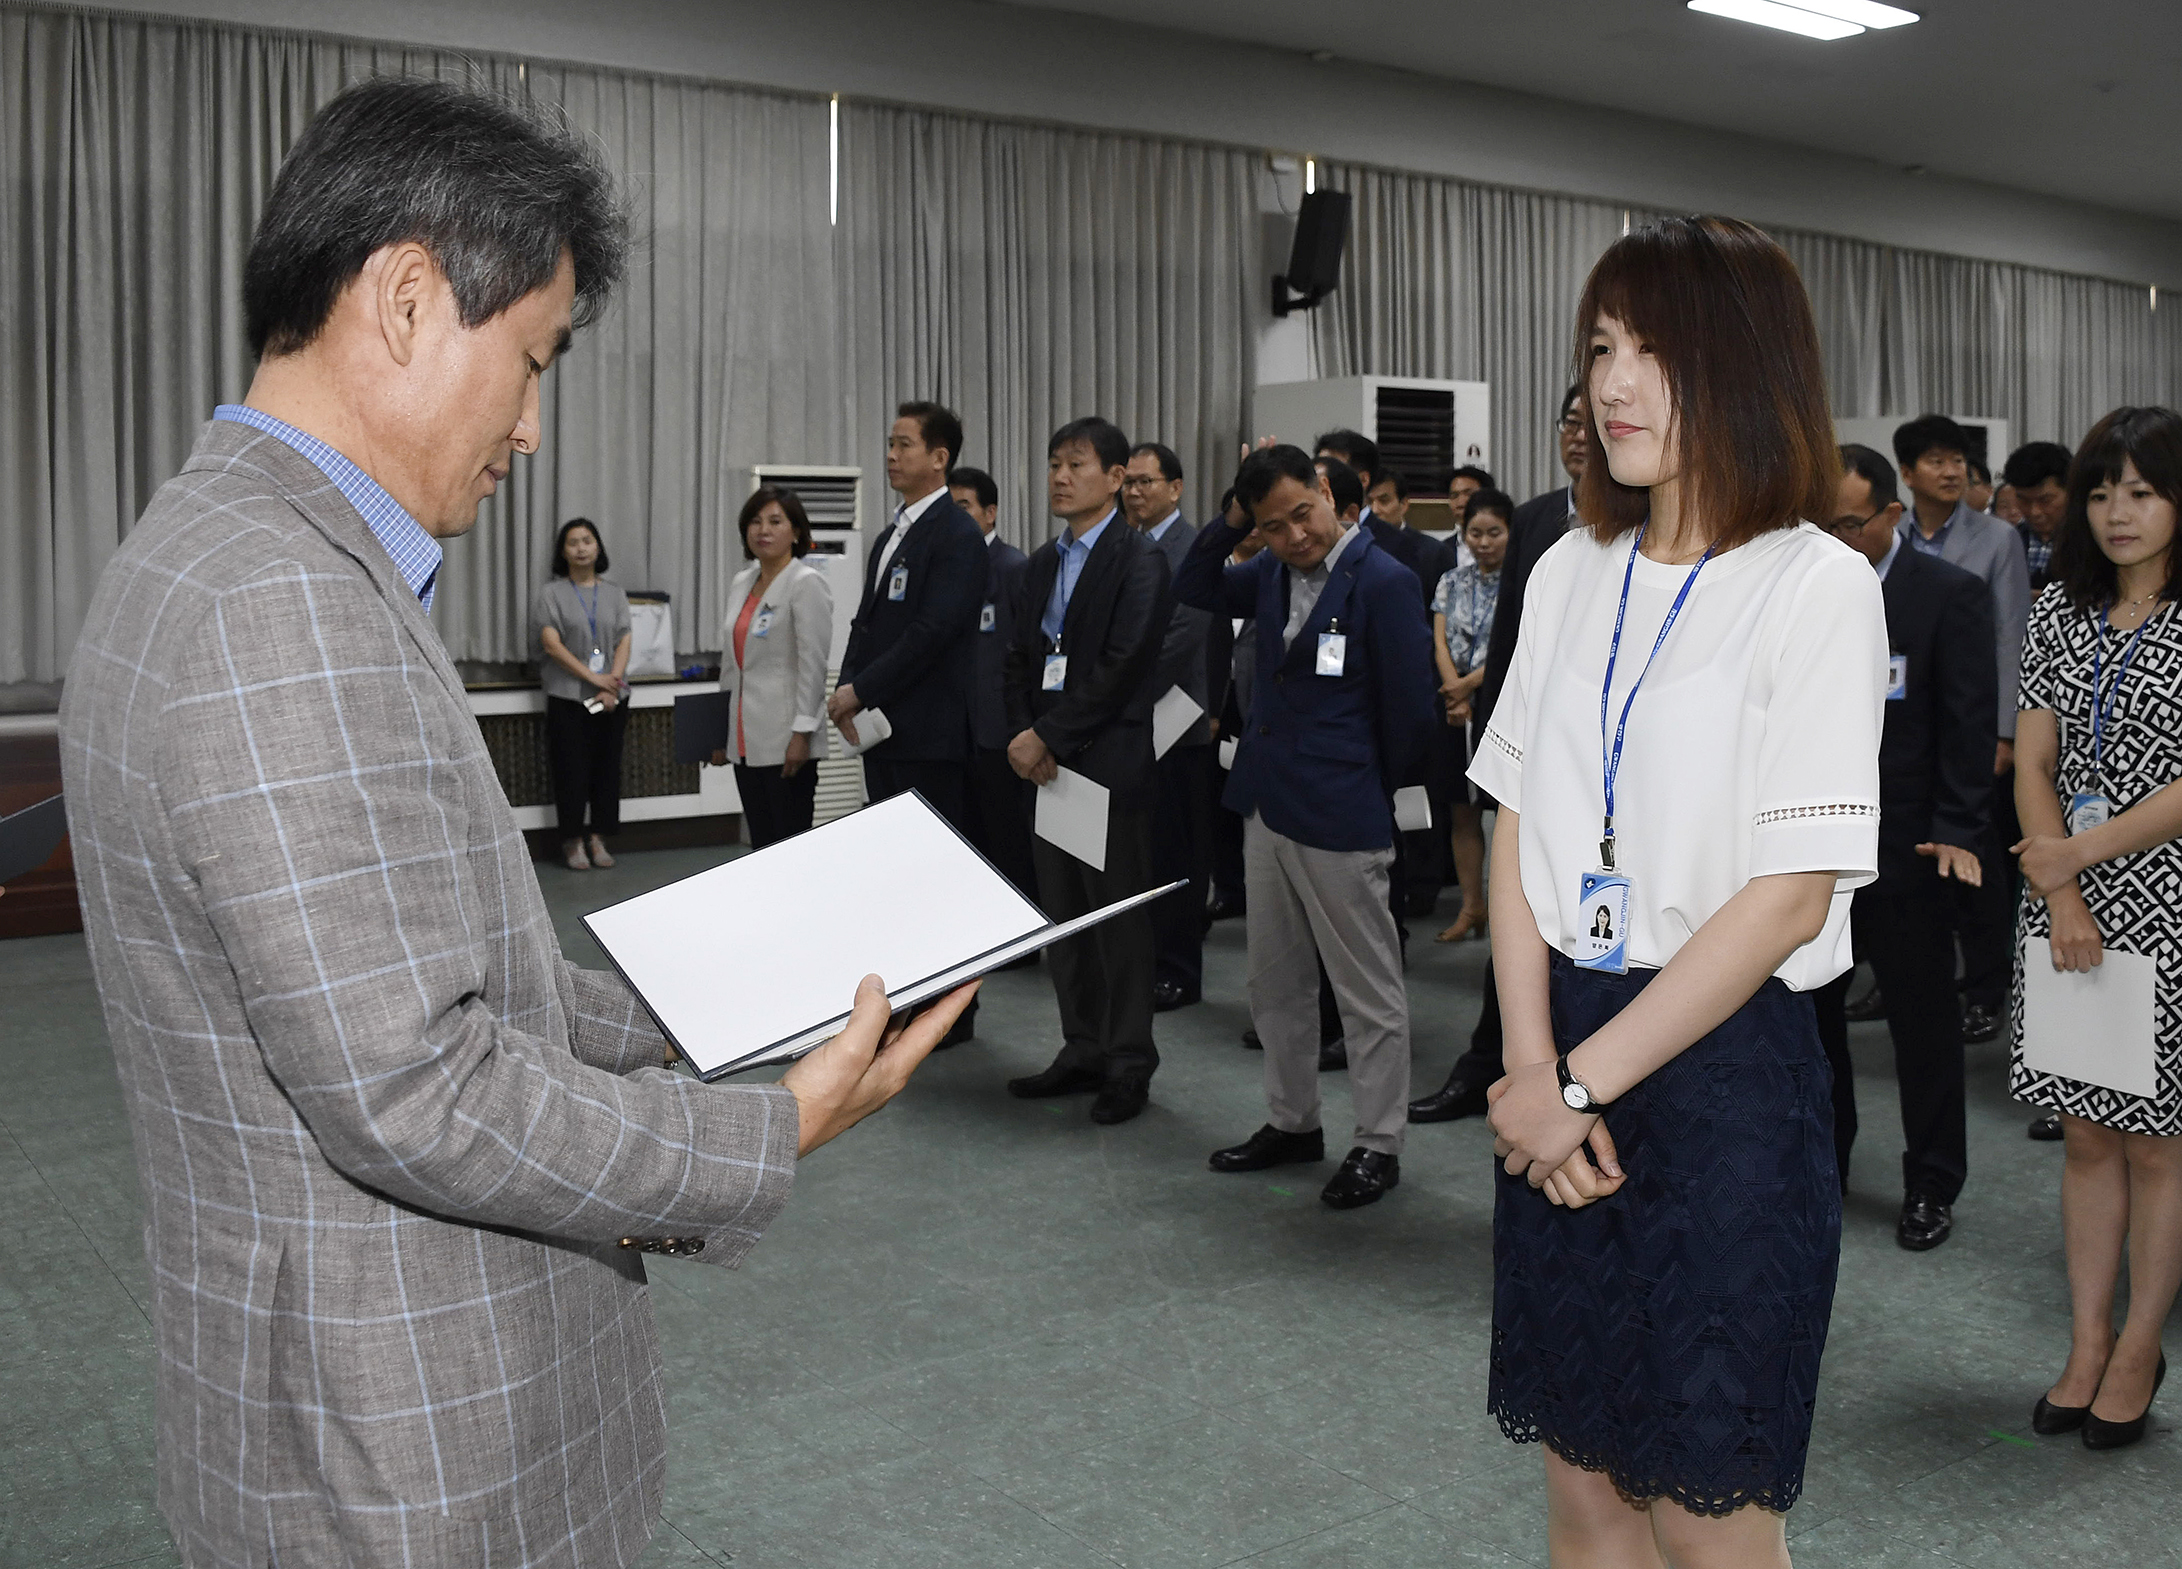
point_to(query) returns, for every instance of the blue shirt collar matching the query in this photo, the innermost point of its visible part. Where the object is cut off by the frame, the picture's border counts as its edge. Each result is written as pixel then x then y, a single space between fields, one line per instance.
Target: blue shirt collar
pixel 1886 561
pixel 1159 530
pixel 416 554
pixel 1070 543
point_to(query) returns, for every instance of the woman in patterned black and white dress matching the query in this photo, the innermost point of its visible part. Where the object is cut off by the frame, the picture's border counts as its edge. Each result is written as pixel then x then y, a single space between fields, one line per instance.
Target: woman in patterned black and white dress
pixel 2098 785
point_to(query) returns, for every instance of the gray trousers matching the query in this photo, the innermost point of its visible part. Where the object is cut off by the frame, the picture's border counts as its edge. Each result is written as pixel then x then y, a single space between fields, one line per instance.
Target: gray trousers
pixel 1331 904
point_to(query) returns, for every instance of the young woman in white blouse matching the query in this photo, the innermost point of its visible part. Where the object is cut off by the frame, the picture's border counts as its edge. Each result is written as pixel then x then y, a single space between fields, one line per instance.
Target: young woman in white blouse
pixel 774 644
pixel 1686 757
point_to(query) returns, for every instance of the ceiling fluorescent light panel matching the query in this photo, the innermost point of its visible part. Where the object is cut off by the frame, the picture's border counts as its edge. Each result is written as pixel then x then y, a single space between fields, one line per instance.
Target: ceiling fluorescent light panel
pixel 1865 13
pixel 1787 18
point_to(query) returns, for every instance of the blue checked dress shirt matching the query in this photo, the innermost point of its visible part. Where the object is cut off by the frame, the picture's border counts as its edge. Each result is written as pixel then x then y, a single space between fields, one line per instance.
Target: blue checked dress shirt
pixel 416 554
pixel 1074 553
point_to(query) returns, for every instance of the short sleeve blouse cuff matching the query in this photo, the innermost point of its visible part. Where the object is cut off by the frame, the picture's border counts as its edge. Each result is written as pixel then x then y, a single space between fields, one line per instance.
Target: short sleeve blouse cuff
pixel 1841 837
pixel 1497 769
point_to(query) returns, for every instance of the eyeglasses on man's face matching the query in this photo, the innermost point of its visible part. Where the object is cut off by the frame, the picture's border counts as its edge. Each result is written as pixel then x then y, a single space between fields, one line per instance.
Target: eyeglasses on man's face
pixel 1849 523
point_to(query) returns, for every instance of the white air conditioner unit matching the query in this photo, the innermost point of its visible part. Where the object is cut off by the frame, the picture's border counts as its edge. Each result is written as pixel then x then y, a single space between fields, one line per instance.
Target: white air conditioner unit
pixel 1425 429
pixel 833 499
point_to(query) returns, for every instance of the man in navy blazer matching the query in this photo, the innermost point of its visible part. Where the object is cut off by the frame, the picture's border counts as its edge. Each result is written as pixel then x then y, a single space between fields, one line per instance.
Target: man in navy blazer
pixel 1000 803
pixel 1341 710
pixel 910 652
pixel 1083 674
pixel 1935 792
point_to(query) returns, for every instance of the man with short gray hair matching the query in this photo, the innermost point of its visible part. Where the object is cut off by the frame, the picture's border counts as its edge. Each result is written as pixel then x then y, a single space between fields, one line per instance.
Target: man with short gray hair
pixel 400 1160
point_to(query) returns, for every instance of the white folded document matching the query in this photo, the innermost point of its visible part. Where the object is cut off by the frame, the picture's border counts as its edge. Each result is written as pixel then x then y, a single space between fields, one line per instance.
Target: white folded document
pixel 1172 716
pixel 1072 814
pixel 871 728
pixel 1228 744
pixel 757 961
pixel 2096 1026
pixel 1413 809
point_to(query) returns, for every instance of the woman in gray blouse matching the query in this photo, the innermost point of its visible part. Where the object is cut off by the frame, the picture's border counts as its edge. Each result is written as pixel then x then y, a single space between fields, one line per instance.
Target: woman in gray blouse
pixel 774 645
pixel 581 627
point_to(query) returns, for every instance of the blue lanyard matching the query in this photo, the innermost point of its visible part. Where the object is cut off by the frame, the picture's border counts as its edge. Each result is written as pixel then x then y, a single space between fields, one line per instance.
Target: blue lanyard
pixel 2101 702
pixel 1610 757
pixel 591 612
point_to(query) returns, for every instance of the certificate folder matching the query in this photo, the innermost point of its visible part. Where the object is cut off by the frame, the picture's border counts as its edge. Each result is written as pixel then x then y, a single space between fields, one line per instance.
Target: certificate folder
pixel 756 961
pixel 28 838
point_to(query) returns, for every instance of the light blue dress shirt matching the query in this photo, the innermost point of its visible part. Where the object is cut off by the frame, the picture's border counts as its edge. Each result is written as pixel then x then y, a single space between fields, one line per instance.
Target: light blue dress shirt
pixel 1074 553
pixel 416 554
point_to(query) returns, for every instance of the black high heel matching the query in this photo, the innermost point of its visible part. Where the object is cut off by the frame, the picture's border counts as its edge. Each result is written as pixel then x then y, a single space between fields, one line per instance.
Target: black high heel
pixel 2099 1434
pixel 2047 1419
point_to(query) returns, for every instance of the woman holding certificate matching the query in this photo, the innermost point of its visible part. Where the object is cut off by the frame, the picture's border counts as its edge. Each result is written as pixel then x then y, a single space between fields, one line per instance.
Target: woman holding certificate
pixel 2098 752
pixel 1686 757
pixel 774 643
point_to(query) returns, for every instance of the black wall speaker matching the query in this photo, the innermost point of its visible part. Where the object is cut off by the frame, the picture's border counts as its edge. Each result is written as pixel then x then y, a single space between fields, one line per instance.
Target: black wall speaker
pixel 1314 261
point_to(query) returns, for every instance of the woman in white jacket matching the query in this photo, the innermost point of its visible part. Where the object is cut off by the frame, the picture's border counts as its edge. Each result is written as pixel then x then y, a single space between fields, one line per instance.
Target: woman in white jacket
pixel 773 649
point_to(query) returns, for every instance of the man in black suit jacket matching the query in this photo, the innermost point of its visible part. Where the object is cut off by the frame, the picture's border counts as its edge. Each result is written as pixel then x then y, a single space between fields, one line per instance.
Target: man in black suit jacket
pixel 910 653
pixel 1536 527
pixel 1935 791
pixel 1082 677
pixel 999 801
pixel 1151 499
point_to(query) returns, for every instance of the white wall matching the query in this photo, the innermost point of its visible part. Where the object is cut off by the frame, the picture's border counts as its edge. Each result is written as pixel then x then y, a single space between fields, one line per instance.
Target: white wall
pixel 1007 60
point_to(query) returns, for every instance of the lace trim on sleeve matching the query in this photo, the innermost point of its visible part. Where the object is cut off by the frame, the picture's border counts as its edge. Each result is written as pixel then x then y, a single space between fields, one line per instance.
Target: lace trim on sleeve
pixel 1514 752
pixel 1786 814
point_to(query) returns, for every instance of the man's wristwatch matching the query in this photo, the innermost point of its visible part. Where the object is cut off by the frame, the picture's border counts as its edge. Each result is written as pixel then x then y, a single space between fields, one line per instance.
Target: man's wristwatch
pixel 1575 1094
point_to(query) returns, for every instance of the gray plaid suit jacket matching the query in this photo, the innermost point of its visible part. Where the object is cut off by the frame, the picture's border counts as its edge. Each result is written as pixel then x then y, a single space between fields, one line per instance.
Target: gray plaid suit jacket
pixel 390 1141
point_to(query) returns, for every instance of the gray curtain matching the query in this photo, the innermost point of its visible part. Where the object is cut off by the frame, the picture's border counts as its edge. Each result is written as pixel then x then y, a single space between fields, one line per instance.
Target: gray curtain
pixel 1449 279
pixel 1025 275
pixel 134 157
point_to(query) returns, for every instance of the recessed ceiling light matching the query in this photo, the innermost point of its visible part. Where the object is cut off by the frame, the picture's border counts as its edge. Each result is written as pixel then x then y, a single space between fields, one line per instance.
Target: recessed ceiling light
pixel 1812 18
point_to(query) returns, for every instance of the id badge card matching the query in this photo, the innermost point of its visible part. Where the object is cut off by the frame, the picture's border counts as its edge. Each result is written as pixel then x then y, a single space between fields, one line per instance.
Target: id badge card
pixel 1333 653
pixel 986 619
pixel 1602 940
pixel 1897 678
pixel 762 622
pixel 1056 675
pixel 598 660
pixel 2088 809
pixel 897 583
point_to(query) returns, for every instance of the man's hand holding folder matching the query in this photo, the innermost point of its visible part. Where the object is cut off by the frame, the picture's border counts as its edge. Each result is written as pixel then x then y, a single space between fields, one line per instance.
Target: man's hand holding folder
pixel 867 1064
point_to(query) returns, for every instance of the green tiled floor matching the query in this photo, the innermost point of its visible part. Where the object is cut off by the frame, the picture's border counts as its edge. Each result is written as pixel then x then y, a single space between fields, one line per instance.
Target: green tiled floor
pixel 987 1333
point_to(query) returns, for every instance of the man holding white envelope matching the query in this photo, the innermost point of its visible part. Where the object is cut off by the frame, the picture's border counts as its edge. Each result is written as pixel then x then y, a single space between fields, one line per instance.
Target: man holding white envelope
pixel 1082 679
pixel 1342 707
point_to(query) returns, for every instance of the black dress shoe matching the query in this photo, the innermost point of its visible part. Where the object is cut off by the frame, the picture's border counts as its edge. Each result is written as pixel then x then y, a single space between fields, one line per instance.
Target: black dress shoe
pixel 2101 1434
pixel 1251 1041
pixel 1270 1147
pixel 2047 1129
pixel 1457 1098
pixel 1366 1177
pixel 1333 1056
pixel 1119 1100
pixel 1056 1080
pixel 1979 1024
pixel 2048 1419
pixel 1166 997
pixel 1925 1223
pixel 963 1029
pixel 1224 907
pixel 1872 1005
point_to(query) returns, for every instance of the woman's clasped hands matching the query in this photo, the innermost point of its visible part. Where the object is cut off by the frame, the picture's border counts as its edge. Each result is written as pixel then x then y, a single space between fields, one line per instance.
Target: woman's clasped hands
pixel 1541 1140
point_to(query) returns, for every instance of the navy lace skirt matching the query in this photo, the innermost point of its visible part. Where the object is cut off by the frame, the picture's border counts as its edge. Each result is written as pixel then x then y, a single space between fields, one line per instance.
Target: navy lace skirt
pixel 1669 1336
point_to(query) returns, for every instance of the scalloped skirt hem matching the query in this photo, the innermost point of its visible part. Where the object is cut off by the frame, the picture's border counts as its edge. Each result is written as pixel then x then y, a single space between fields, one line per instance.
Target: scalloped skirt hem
pixel 1644 1492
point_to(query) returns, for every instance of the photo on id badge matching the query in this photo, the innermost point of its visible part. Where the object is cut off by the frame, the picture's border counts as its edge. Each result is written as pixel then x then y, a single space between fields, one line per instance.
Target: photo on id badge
pixel 1602 941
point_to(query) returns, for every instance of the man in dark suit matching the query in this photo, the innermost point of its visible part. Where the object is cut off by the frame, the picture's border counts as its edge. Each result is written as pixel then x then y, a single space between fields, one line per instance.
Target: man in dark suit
pixel 910 653
pixel 1935 791
pixel 999 802
pixel 1151 499
pixel 1082 677
pixel 1535 528
pixel 1343 700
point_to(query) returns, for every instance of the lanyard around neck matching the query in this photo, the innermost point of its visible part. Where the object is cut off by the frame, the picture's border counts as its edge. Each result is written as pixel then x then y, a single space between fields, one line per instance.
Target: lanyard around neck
pixel 2101 702
pixel 1610 754
pixel 591 609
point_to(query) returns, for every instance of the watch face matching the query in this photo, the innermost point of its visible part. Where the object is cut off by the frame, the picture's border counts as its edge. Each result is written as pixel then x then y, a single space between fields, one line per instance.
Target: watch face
pixel 1575 1096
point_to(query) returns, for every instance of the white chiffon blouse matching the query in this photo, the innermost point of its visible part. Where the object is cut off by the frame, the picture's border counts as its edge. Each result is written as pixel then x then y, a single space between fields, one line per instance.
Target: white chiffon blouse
pixel 1753 748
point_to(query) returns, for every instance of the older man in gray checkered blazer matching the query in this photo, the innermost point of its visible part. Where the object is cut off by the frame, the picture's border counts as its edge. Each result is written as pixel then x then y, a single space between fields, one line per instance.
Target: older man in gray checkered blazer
pixel 400 1160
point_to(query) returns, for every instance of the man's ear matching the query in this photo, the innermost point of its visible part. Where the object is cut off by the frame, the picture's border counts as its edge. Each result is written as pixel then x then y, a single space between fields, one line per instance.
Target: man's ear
pixel 404 278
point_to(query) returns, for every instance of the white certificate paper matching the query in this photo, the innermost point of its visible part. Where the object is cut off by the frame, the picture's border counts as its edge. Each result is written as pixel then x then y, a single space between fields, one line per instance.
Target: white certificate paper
pixel 1072 816
pixel 1171 716
pixel 2094 1026
pixel 1413 809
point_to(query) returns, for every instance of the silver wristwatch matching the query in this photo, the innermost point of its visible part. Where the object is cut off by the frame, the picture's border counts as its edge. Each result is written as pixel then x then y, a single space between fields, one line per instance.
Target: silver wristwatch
pixel 1576 1094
